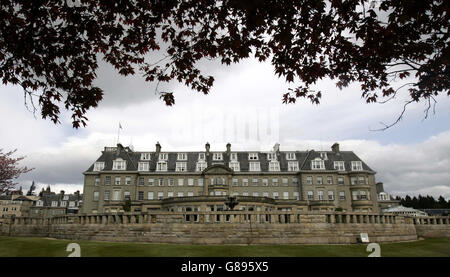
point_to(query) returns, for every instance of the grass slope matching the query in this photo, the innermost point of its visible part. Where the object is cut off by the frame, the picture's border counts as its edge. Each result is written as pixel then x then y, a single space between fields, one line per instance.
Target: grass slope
pixel 44 247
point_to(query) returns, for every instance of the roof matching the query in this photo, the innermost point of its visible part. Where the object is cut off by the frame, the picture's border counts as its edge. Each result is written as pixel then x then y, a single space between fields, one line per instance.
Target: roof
pixel 401 208
pixel 303 158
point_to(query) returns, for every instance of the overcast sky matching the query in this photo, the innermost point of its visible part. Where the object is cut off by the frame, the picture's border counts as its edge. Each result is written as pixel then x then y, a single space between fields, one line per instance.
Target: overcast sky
pixel 243 108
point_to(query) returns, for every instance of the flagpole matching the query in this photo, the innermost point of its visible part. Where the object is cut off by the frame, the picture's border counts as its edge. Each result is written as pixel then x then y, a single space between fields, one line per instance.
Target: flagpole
pixel 118 133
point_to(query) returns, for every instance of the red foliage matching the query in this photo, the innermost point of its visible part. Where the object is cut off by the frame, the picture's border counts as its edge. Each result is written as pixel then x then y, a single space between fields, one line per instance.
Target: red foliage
pixel 10 170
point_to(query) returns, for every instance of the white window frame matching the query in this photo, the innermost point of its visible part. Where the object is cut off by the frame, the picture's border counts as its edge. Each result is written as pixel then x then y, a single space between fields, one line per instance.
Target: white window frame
pixel 357 166
pixel 272 156
pixel 317 164
pixel 150 195
pixel 160 195
pixel 161 166
pixel 234 165
pixel 217 156
pixel 293 166
pixel 117 180
pixel 254 166
pixel 286 195
pixel 182 156
pixel 181 167
pixel 290 156
pixel 274 166
pixel 146 156
pixel 162 157
pixel 339 165
pixel 119 164
pixel 252 156
pixel 143 166
pixel 201 156
pixel 233 157
pixel 190 181
pixel 99 166
pixel 201 165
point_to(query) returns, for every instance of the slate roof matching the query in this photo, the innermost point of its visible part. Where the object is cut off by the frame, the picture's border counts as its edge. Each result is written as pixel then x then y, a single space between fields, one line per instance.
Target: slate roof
pixel 303 158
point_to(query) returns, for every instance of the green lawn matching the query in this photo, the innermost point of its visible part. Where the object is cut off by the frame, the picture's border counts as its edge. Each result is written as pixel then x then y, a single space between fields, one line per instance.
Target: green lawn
pixel 34 247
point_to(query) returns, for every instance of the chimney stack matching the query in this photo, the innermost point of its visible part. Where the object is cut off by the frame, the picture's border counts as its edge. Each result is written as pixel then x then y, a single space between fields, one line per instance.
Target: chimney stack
pixel 228 148
pixel 335 148
pixel 207 148
pixel 158 147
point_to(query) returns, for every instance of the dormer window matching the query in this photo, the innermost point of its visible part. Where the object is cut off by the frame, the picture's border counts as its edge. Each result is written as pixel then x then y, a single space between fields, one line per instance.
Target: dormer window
pixel 271 156
pixel 162 157
pixel 54 203
pixel 143 166
pixel 201 165
pixel 254 166
pixel 161 166
pixel 201 156
pixel 39 203
pixel 323 156
pixel 357 166
pixel 119 164
pixel 290 156
pixel 293 166
pixel 217 156
pixel 66 197
pixel 317 164
pixel 145 156
pixel 274 166
pixel 99 166
pixel 339 165
pixel 181 166
pixel 182 157
pixel 234 165
pixel 253 156
pixel 63 203
pixel 233 157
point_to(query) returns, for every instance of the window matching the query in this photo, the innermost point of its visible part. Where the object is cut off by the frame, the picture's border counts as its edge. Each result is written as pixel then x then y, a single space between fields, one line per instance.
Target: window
pixel 265 182
pixel 296 195
pixel 361 180
pixel 275 195
pixel 290 156
pixel 234 166
pixel 317 164
pixel 105 196
pixel 151 182
pixel 357 166
pixel 190 193
pixel 201 156
pixel 95 197
pixel 64 203
pixel 126 195
pixel 355 195
pixel 285 195
pixel 150 195
pixel 162 157
pixel 330 195
pixel 329 180
pixel 292 166
pixel 285 181
pixel 245 182
pixel 170 194
pixel 340 180
pixel 253 156
pixel 116 195
pixel 145 156
pixel 190 182
pixel 97 181
pixel 182 157
pixel 180 182
pixel 254 166
pixel 275 182
pixel 141 181
pixel 107 180
pixel 200 182
pixel 271 156
pixel 319 180
pixel 310 195
pixel 323 155
pixel 233 157
pixel 342 195
pixel 201 165
pixel 143 166
pixel 161 166
pixel 295 180
pixel 39 203
pixel 99 166
pixel 55 203
pixel 117 181
pixel 309 180
pixel 255 181
pixel 171 182
pixel 274 166
pixel 140 195
pixel 128 180
pixel 217 156
pixel 363 195
pixel 160 195
pixel 160 182
pixel 339 165
pixel 180 194
pixel 72 203
pixel 235 182
pixel 353 181
pixel 119 164
pixel 320 194
pixel 181 166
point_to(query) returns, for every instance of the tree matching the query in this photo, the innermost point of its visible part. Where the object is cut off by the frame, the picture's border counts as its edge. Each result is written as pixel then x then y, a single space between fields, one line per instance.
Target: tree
pixel 10 170
pixel 51 49
pixel 126 206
